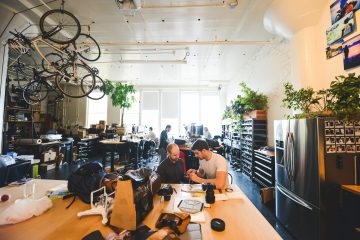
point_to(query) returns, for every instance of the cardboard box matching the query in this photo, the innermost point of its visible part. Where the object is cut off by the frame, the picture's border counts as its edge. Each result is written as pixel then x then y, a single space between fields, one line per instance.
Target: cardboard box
pixel 82 133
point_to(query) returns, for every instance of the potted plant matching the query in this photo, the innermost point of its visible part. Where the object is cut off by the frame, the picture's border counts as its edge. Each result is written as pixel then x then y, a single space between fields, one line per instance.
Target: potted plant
pixel 121 96
pixel 251 104
pixel 340 100
pixel 304 100
pixel 344 96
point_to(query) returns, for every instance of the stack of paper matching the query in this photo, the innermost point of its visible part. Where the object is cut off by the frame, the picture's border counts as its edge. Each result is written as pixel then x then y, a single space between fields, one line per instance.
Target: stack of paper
pixel 196 217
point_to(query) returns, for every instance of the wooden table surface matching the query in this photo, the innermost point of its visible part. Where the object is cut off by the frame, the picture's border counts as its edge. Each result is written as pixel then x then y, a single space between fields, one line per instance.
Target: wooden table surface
pixel 243 220
pixel 352 188
pixel 111 142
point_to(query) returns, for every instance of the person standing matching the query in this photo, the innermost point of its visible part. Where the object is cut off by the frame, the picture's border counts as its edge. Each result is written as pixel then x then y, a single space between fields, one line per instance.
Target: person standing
pixel 164 141
pixel 171 170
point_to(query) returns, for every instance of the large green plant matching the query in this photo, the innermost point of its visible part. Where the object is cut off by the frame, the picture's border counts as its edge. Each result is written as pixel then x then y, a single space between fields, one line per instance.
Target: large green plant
pixel 249 100
pixel 304 99
pixel 344 96
pixel 122 95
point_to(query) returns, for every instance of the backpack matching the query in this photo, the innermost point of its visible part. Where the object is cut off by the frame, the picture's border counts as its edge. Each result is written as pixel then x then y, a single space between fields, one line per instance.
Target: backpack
pixel 85 179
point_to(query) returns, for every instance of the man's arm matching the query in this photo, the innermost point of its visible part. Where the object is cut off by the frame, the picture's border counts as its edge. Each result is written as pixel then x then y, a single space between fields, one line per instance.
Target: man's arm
pixel 219 181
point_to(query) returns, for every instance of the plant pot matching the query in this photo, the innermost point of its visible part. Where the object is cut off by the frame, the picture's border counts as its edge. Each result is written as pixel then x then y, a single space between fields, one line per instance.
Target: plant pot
pixel 256 114
pixel 120 131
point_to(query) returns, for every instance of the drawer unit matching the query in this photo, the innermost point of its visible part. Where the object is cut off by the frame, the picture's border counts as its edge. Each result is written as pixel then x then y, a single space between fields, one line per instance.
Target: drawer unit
pixel 264 168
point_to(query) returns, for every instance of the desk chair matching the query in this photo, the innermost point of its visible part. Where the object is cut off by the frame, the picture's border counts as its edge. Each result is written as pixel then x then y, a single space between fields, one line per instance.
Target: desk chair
pixel 82 153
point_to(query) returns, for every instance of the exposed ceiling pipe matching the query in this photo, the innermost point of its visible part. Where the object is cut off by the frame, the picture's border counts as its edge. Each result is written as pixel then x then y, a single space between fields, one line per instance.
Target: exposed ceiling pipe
pixel 261 42
pixel 180 61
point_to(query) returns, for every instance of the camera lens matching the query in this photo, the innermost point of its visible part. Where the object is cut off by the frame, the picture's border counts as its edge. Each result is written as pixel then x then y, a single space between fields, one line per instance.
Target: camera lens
pixel 167 197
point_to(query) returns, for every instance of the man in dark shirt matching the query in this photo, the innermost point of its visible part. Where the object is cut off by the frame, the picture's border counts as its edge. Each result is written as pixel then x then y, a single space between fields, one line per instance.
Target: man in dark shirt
pixel 171 170
pixel 164 141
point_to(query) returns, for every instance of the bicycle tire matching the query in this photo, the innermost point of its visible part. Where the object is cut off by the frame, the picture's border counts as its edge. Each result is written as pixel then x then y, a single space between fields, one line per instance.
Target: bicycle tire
pixel 56 60
pixel 87 42
pixel 69 78
pixel 35 91
pixel 99 86
pixel 66 30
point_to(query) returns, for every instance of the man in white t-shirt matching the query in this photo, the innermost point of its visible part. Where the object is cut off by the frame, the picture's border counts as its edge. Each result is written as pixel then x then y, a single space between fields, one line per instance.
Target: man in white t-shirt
pixel 213 167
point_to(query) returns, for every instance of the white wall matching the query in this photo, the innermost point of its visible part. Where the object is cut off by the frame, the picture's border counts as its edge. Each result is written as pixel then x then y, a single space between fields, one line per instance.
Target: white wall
pixel 266 72
pixel 328 69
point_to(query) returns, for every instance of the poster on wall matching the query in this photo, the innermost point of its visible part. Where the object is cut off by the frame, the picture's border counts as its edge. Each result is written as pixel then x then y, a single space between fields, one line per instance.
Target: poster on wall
pixel 351 49
pixel 340 8
pixel 334 49
pixel 340 29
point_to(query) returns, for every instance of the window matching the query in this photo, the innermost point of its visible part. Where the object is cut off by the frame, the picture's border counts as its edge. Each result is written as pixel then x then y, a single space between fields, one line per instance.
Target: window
pixel 150 105
pixel 210 112
pixel 131 115
pixel 97 109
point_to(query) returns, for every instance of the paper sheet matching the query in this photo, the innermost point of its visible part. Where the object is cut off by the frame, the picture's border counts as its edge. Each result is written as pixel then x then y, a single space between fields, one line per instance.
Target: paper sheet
pixel 197 217
pixel 59 188
pixel 192 188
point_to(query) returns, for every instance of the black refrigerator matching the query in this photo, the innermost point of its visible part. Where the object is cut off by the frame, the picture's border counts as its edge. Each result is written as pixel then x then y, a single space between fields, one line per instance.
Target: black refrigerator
pixel 314 157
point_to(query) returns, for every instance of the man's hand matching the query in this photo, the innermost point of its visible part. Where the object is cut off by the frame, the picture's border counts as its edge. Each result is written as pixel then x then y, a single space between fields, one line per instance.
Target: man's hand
pixel 193 177
pixel 190 171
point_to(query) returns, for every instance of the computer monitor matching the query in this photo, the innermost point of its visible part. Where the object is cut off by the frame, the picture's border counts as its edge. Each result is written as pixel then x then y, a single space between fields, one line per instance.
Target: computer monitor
pixel 199 130
pixel 16 171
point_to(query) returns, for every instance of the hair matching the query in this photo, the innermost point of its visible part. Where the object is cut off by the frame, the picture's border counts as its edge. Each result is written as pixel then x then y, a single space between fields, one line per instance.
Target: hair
pixel 200 145
pixel 150 128
pixel 170 147
pixel 168 126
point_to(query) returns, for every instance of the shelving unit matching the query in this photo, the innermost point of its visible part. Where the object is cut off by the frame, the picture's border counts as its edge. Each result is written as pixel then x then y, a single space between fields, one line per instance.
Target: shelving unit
pixel 253 136
pixel 264 168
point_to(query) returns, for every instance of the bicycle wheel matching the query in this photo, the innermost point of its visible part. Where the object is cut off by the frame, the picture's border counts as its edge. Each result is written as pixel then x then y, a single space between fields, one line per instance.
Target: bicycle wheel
pixel 99 90
pixel 52 63
pixel 87 47
pixel 35 92
pixel 60 26
pixel 72 81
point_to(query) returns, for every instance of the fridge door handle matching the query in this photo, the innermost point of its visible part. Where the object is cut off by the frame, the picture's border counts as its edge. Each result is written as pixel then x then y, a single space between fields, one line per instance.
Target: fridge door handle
pixel 292 156
pixel 286 156
pixel 295 199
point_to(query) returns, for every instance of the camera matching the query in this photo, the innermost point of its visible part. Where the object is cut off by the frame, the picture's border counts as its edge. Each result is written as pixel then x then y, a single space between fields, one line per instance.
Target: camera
pixel 166 191
pixel 210 194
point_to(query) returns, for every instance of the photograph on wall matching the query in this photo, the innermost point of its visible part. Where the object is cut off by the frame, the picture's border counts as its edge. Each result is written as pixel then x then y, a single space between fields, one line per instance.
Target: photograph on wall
pixel 334 49
pixel 340 8
pixel 351 50
pixel 340 29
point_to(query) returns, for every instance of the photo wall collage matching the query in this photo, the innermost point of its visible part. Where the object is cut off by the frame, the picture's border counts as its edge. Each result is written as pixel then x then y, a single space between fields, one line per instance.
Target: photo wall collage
pixel 342 24
pixel 342 136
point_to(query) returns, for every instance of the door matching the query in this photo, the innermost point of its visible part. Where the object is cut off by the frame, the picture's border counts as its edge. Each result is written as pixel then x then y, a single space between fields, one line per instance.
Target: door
pixel 300 218
pixel 303 160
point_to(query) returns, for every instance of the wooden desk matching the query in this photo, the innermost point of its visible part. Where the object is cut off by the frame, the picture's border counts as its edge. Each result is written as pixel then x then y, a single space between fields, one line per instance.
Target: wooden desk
pixel 56 223
pixel 352 188
pixel 112 145
pixel 243 220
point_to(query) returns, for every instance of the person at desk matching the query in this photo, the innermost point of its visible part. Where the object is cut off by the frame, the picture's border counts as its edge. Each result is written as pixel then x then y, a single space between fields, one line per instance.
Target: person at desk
pixel 213 167
pixel 171 170
pixel 151 136
pixel 164 141
pixel 207 134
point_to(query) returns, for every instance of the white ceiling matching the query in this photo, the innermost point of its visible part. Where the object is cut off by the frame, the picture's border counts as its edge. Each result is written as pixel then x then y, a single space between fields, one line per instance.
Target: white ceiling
pixel 193 29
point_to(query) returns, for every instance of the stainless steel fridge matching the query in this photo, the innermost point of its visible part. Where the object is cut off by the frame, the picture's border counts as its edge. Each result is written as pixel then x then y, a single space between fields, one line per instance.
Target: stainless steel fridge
pixel 309 172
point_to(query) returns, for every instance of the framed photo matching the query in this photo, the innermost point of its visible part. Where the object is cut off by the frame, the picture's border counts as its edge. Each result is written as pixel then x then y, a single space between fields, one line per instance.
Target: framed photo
pixel 340 148
pixel 331 149
pixel 349 132
pixel 334 49
pixel 349 140
pixel 351 50
pixel 340 140
pixel 342 7
pixel 329 124
pixel 339 131
pixel 329 131
pixel 357 140
pixel 357 131
pixel 358 148
pixel 340 29
pixel 350 148
pixel 349 124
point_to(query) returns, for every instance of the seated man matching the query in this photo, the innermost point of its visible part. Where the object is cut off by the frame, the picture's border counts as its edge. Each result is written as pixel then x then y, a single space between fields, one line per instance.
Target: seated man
pixel 171 170
pixel 213 167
